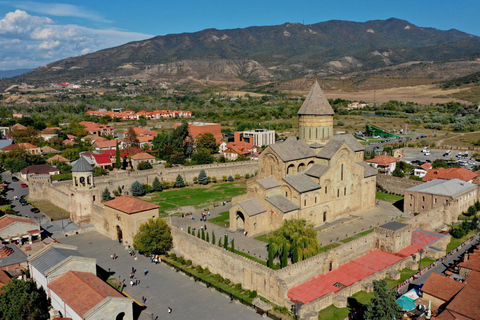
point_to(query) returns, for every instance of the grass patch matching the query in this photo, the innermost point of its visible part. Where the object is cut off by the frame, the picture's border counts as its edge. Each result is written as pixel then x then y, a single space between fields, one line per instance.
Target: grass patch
pixel 363 297
pixel 114 283
pixel 196 196
pixel 257 260
pixel 333 313
pixel 402 219
pixel 404 275
pixel 456 242
pixel 463 217
pixel 330 246
pixel 426 262
pixel 221 220
pixel 263 237
pixel 51 210
pixel 361 234
pixel 388 197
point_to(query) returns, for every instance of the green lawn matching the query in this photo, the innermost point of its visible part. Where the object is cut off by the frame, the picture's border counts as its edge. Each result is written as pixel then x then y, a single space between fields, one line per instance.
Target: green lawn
pixel 263 237
pixel 363 297
pixel 197 196
pixel 456 242
pixel 405 274
pixel 50 209
pixel 388 197
pixel 333 313
pixel 330 246
pixel 222 219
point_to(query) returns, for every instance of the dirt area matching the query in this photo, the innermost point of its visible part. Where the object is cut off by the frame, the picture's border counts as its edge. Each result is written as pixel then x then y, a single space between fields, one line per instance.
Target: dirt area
pixel 51 210
pixel 423 94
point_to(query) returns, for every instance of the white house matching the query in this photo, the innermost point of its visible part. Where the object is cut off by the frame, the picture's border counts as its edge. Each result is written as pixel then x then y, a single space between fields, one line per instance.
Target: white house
pixel 422 170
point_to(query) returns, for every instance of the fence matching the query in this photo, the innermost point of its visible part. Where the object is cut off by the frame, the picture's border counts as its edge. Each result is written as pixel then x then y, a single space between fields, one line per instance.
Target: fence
pixel 208 284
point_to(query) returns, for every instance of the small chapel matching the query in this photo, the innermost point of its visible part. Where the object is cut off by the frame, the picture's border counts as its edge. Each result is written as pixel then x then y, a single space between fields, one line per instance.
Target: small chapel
pixel 319 176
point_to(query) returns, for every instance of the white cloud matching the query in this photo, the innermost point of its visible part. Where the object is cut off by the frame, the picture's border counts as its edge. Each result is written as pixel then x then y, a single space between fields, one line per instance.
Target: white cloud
pixel 40 40
pixel 58 9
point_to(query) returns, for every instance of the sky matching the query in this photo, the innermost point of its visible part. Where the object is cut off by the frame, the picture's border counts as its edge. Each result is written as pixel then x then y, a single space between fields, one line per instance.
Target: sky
pixel 35 33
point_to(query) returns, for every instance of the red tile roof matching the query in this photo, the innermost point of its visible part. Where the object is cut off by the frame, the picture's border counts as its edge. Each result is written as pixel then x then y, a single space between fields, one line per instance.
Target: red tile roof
pixel 27 145
pixel 473 280
pixel 102 159
pixel 196 129
pixel 442 287
pixel 17 127
pixel 4 278
pixel 130 205
pixel 426 166
pixel 472 264
pixel 142 156
pixel 383 160
pixel 105 144
pixel 466 303
pixel 58 158
pixel 450 173
pixel 10 147
pixel 8 219
pixel 82 291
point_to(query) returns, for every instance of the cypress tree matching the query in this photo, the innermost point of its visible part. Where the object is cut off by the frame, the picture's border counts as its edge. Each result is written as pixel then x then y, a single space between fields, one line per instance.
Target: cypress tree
pixel 271 255
pixel 208 238
pixel 156 185
pixel 284 261
pixel 202 177
pixel 220 242
pixel 232 248
pixel 106 195
pixel 295 255
pixel 198 234
pixel 225 242
pixel 213 237
pixel 118 162
pixel 189 230
pixel 203 234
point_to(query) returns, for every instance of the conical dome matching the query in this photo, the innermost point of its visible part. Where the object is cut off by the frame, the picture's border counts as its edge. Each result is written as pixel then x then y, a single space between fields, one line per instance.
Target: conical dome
pixel 316 103
pixel 82 165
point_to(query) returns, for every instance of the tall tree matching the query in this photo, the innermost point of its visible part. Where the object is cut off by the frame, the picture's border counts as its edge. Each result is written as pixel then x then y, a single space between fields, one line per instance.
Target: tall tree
pixel 157 185
pixel 118 161
pixel 178 137
pixel 179 183
pixel 207 141
pixel 131 137
pixel 203 156
pixel 202 177
pixel 153 237
pixel 383 305
pixel 137 189
pixel 23 300
pixel 106 195
pixel 160 141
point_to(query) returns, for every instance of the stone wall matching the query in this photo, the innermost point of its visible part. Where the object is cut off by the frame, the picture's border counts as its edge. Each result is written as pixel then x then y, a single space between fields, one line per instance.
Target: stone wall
pixel 395 184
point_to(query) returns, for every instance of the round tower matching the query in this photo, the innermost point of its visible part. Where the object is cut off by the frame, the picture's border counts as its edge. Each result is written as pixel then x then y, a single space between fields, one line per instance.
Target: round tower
pixel 315 117
pixel 82 175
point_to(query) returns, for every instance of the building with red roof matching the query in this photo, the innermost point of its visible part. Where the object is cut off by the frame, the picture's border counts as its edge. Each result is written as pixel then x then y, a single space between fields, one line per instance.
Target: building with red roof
pixel 440 289
pixel 82 295
pixel 30 148
pixel 105 144
pixel 142 157
pixel 234 149
pixel 37 169
pixel 15 228
pixel 102 160
pixel 385 164
pixel 124 215
pixel 450 173
pixel 98 129
pixel 422 170
pixel 198 128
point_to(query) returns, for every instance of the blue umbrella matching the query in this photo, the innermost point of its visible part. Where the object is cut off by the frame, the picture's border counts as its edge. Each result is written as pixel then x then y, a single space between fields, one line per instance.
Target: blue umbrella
pixel 406 303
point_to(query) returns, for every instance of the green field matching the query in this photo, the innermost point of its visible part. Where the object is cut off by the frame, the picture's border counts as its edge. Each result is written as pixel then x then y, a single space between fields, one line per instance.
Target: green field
pixel 222 220
pixel 334 313
pixel 388 197
pixel 404 275
pixel 361 234
pixel 456 242
pixel 197 196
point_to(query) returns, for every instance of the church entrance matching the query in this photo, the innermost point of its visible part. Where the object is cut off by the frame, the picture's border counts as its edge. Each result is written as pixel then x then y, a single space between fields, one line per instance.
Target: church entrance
pixel 119 234
pixel 240 220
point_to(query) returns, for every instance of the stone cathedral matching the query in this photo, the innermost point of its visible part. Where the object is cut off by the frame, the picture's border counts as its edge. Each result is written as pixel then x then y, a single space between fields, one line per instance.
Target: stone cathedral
pixel 319 177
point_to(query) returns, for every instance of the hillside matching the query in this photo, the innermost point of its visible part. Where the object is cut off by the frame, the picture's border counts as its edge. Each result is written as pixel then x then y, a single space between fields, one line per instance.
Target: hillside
pixel 258 54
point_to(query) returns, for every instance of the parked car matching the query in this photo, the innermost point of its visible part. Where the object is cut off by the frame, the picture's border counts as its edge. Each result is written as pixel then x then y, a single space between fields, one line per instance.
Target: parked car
pixel 14 179
pixel 24 185
pixel 35 210
pixel 22 200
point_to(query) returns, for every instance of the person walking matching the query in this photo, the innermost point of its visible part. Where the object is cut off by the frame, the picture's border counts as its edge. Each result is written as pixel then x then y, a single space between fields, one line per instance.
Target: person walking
pixel 145 271
pixel 169 310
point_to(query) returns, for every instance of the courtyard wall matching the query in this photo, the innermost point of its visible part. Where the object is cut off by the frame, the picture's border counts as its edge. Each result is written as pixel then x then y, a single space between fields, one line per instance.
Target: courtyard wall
pixel 395 184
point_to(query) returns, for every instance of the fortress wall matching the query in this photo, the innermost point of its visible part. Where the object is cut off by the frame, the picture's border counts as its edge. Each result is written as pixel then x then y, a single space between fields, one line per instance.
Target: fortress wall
pixel 395 184
pixel 238 269
pixel 301 271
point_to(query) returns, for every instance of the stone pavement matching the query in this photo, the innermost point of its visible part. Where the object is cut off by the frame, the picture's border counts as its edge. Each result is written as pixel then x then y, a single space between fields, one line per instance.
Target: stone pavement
pixel 162 286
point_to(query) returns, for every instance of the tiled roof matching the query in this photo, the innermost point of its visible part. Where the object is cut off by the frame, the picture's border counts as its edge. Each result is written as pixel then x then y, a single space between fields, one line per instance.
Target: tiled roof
pixel 51 256
pixel 269 182
pixel 442 287
pixel 130 205
pixel 316 103
pixel 472 264
pixel 350 140
pixel 443 187
pixel 67 142
pixel 283 204
pixel 82 291
pixel 9 219
pixel 17 257
pixel 450 173
pixel 10 147
pixel 301 182
pixel 473 280
pixel 4 278
pixel 102 159
pixel 17 127
pixel 383 160
pixel 48 149
pixel 426 166
pixel 368 171
pixel 27 145
pixel 252 207
pixel 39 169
pixel 142 156
pixel 466 303
pixel 105 143
pixel 317 170
pixel 58 158
pixel 292 150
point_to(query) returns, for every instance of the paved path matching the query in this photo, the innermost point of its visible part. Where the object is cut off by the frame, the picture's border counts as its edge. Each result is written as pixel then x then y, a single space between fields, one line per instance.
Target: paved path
pixel 441 267
pixel 162 286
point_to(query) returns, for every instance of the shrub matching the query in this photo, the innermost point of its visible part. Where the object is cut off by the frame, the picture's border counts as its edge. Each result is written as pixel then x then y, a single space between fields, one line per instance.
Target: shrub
pixel 477 205
pixel 148 189
pixel 206 271
pixel 181 260
pixel 238 287
pixel 471 211
pixel 218 278
pixel 227 281
pixel 173 256
pixel 214 179
pixel 144 165
pixel 195 180
pixel 167 254
pixel 247 176
pixel 188 262
pixel 224 178
pixel 189 230
pixel 253 294
pixel 237 176
pixel 247 292
pixel 199 269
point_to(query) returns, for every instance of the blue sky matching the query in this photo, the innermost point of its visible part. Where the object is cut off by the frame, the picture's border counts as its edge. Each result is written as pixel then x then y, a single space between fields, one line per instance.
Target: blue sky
pixel 34 33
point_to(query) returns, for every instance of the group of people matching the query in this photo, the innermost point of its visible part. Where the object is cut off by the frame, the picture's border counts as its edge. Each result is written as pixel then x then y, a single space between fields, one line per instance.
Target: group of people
pixel 113 256
pixel 155 259
pixel 203 216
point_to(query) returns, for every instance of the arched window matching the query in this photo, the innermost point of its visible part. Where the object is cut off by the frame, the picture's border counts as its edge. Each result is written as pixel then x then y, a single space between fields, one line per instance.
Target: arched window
pixel 341 173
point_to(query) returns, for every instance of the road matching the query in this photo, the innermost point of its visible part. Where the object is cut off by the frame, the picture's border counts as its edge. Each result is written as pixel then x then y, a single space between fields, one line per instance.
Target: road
pixel 441 267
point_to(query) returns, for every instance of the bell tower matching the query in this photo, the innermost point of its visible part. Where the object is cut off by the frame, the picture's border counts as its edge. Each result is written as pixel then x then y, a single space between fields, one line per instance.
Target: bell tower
pixel 315 117
pixel 82 175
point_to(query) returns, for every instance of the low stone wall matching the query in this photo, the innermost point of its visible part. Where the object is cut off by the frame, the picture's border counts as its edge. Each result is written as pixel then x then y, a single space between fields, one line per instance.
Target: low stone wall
pixel 395 184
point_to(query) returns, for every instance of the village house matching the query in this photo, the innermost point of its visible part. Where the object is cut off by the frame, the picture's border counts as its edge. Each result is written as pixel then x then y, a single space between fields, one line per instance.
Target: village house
pixel 422 170
pixel 142 157
pixel 12 259
pixel 98 129
pixel 196 129
pixel 450 173
pixel 234 149
pixel 58 158
pixel 37 169
pixel 18 229
pixel 385 164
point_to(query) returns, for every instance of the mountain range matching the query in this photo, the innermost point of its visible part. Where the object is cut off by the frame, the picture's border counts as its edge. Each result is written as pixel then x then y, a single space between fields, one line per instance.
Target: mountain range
pixel 258 54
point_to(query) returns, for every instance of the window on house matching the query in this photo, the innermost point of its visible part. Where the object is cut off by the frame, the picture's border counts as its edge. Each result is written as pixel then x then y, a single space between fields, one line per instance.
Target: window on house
pixel 326 190
pixel 94 198
pixel 338 193
pixel 341 174
pixel 324 216
pixel 345 191
pixel 304 202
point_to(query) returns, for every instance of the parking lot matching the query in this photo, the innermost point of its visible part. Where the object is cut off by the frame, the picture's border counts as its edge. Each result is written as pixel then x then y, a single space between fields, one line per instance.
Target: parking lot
pixel 410 155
